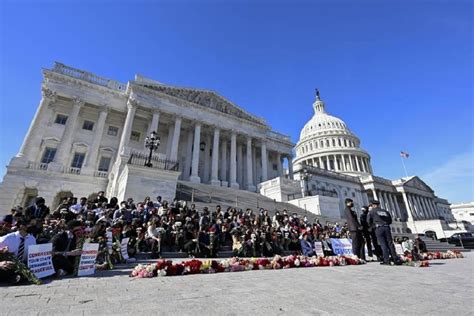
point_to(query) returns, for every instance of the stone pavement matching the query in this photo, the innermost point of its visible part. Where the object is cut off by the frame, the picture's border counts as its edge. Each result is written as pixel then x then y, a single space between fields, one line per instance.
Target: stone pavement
pixel 445 288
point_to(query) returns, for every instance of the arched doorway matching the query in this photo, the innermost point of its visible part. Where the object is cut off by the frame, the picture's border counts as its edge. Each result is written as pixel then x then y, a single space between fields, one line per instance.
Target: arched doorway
pixel 60 197
pixel 430 234
pixel 29 197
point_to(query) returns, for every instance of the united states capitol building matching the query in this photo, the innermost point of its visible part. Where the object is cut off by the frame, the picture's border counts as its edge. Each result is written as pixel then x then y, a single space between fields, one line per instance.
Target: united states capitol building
pixel 88 135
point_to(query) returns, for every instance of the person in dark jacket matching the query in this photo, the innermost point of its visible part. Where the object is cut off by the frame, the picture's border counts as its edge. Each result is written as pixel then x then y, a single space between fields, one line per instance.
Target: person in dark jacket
pixel 38 210
pixel 368 233
pixel 382 219
pixel 355 230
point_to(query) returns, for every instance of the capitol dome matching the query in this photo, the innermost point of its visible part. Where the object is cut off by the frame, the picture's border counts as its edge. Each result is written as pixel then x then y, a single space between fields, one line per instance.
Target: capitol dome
pixel 326 142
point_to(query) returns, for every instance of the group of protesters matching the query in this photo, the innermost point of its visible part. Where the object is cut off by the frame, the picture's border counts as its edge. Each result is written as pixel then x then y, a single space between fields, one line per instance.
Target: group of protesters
pixel 155 226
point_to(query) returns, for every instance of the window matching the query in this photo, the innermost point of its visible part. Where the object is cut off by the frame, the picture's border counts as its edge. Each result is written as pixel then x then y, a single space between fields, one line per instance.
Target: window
pixel 88 125
pixel 112 131
pixel 48 155
pixel 78 160
pixel 333 142
pixel 60 119
pixel 275 166
pixel 135 136
pixel 104 164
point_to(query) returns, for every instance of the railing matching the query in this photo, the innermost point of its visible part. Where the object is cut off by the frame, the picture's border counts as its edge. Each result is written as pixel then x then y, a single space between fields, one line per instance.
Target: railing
pixel 73 170
pixel 101 174
pixel 37 166
pixel 140 159
pixel 89 77
pixel 322 192
pixel 278 135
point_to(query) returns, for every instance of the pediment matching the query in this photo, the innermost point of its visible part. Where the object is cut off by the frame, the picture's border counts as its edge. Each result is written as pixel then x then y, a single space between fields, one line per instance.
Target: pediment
pixel 419 184
pixel 207 99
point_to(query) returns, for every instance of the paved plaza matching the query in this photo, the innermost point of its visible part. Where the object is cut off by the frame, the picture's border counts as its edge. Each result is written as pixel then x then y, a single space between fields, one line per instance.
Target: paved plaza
pixel 445 288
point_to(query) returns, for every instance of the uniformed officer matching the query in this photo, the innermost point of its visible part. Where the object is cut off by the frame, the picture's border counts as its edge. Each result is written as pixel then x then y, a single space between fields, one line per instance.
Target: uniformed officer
pixel 382 219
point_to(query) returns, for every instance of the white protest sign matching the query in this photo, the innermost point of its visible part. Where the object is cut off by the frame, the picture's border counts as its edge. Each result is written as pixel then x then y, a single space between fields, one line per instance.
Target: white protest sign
pixel 109 241
pixel 40 260
pixel 123 248
pixel 318 248
pixel 341 246
pixel 88 256
pixel 399 249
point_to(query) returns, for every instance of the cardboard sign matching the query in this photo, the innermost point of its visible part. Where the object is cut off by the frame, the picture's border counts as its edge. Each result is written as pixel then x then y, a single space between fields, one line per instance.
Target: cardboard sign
pixel 123 248
pixel 341 246
pixel 399 249
pixel 40 260
pixel 109 241
pixel 88 256
pixel 318 248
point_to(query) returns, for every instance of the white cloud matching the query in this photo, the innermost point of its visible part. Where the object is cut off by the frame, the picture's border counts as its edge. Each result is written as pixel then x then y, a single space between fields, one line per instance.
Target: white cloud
pixel 454 180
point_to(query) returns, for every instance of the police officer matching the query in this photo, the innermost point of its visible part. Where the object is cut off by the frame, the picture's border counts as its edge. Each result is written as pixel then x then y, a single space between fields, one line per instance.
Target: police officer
pixel 355 229
pixel 382 219
pixel 369 235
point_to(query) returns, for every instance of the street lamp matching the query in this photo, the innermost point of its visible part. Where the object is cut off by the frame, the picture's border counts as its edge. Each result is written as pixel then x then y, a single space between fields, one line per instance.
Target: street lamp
pixel 151 142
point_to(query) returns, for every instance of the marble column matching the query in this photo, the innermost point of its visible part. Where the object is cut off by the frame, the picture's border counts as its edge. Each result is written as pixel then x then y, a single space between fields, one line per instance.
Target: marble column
pixel 224 182
pixel 290 167
pixel 264 162
pixel 357 163
pixel 410 212
pixel 176 135
pixel 196 149
pixel 344 167
pixel 426 206
pixel 374 193
pixel 206 173
pixel 250 185
pixel 351 164
pixel 32 142
pixel 254 166
pixel 370 167
pixel 414 207
pixel 64 146
pixel 153 127
pixel 233 161
pixel 240 166
pixel 189 155
pixel 336 165
pixel 279 165
pixel 321 164
pixel 420 206
pixel 433 204
pixel 90 165
pixel 169 141
pixel 215 158
pixel 328 165
pixel 395 205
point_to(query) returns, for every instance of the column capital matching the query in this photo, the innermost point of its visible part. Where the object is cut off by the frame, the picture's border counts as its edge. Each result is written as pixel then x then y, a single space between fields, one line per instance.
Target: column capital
pixel 103 108
pixel 48 94
pixel 132 103
pixel 78 101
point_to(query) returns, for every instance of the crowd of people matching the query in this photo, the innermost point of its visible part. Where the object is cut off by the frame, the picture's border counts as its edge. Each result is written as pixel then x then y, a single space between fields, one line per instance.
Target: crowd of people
pixel 154 225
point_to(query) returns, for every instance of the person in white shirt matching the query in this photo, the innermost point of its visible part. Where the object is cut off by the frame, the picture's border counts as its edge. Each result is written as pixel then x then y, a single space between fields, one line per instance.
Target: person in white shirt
pixel 18 242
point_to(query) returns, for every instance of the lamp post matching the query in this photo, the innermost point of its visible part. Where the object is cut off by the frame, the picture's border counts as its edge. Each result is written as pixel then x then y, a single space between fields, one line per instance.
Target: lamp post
pixel 152 142
pixel 304 183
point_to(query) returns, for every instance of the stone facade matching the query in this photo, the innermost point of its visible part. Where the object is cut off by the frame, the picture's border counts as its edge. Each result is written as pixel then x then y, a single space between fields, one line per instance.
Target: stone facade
pixel 87 128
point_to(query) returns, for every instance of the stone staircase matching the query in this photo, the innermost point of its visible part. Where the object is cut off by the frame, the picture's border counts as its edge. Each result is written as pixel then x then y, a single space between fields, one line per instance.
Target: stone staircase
pixel 436 245
pixel 210 196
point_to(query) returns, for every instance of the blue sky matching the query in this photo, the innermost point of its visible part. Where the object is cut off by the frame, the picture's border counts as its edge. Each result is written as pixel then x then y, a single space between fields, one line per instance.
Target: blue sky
pixel 399 73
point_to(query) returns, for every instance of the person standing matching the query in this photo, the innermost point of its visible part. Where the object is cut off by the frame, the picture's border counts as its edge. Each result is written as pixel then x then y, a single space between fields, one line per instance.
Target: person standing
pixel 369 235
pixel 355 229
pixel 382 219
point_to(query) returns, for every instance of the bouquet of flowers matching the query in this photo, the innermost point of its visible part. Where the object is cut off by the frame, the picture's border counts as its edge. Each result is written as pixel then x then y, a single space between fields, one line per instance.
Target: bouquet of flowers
pixel 144 271
pixel 20 268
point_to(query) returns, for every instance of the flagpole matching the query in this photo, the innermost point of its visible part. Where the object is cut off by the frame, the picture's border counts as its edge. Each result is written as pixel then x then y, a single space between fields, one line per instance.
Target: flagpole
pixel 404 168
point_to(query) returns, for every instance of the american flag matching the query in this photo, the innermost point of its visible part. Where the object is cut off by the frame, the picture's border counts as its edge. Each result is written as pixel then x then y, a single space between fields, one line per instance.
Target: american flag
pixel 404 154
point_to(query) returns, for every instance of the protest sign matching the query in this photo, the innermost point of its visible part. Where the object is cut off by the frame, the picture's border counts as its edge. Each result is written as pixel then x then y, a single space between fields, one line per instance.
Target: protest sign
pixel 40 260
pixel 398 249
pixel 87 262
pixel 318 248
pixel 341 246
pixel 123 248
